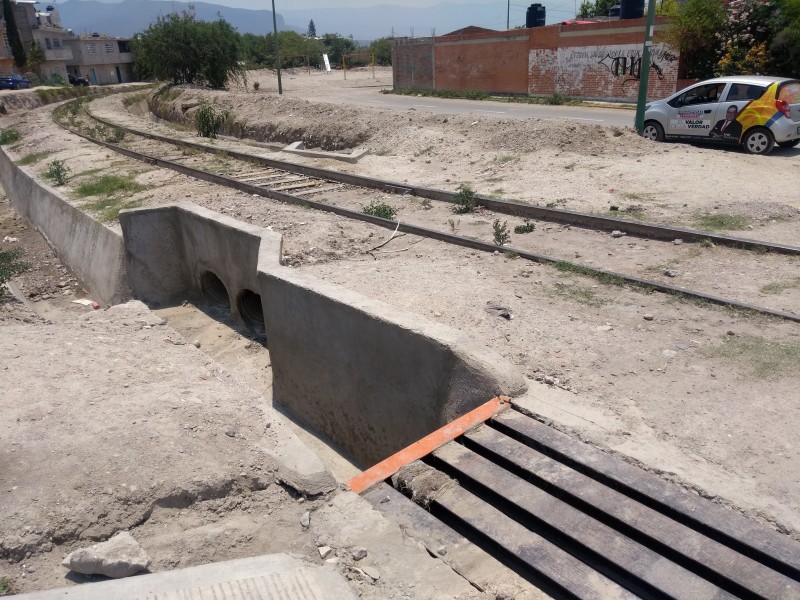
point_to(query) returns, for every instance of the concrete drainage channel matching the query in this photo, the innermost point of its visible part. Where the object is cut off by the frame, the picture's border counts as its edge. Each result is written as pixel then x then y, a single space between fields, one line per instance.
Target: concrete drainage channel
pixel 572 520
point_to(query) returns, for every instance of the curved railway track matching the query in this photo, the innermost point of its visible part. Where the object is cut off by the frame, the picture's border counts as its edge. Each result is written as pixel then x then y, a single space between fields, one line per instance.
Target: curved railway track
pixel 305 185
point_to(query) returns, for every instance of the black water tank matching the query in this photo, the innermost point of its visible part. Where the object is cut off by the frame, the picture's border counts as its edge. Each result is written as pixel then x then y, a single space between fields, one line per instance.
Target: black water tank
pixel 614 11
pixel 534 17
pixel 631 9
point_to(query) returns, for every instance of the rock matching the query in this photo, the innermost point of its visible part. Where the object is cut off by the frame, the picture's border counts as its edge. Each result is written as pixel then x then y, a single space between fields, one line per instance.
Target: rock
pixel 499 310
pixel 670 272
pixel 441 550
pixel 359 553
pixel 730 332
pixel 371 572
pixel 604 328
pixel 230 432
pixel 305 520
pixel 683 346
pixel 678 242
pixel 648 317
pixel 613 207
pixel 669 353
pixel 121 556
pixel 617 233
pixel 549 380
pixel 196 343
pixel 324 551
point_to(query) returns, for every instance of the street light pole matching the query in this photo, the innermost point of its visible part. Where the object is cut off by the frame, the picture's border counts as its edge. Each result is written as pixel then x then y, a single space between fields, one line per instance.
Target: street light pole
pixel 644 71
pixel 278 48
pixel 508 15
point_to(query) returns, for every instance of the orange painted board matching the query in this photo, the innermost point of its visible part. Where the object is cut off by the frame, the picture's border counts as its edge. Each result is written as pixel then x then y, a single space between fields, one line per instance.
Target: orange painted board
pixel 391 465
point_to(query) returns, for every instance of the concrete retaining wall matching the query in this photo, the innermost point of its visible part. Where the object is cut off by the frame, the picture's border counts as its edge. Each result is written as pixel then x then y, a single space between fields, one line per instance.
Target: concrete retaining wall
pixel 371 377
pixel 93 252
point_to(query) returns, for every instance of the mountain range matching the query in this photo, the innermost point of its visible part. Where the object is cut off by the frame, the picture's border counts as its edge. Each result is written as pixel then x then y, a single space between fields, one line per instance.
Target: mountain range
pixel 132 16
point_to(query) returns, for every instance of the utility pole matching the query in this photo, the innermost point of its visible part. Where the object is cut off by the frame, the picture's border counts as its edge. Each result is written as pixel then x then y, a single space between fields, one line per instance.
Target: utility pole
pixel 644 71
pixel 508 15
pixel 278 48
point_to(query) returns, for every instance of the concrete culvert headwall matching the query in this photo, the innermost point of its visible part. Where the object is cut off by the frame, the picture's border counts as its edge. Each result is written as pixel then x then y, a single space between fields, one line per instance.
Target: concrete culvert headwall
pixel 371 377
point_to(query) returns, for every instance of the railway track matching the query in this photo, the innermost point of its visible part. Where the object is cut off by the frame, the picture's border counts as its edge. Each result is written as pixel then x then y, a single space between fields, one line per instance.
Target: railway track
pixel 312 187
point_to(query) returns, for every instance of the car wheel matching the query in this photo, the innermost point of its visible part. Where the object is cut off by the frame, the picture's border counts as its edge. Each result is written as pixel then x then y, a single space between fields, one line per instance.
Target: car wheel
pixel 758 141
pixel 653 131
pixel 791 144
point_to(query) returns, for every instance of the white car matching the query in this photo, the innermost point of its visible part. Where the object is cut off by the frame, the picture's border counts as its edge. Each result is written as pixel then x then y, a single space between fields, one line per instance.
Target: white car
pixel 754 111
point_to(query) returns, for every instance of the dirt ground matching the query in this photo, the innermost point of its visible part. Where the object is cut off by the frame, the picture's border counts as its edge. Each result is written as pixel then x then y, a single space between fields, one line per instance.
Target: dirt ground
pixel 704 395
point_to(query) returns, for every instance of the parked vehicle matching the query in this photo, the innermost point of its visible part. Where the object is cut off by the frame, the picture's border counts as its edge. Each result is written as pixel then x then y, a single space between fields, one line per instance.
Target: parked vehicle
pixel 78 80
pixel 14 82
pixel 754 111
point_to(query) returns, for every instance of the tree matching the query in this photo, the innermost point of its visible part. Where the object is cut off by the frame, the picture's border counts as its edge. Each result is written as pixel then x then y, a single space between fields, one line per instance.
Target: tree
pixel 749 28
pixel 785 46
pixel 180 49
pixel 312 29
pixel 694 33
pixel 14 40
pixel 36 57
pixel 336 46
pixel 599 8
pixel 382 49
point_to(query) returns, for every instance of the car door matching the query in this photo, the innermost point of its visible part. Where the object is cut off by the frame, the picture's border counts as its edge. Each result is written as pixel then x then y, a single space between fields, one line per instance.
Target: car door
pixel 693 112
pixel 727 126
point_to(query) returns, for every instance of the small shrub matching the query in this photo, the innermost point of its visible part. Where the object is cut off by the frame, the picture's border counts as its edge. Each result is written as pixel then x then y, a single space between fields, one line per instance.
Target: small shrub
pixel 116 135
pixel 526 228
pixel 256 85
pixel 379 209
pixel 426 203
pixel 466 200
pixel 208 120
pixel 57 172
pixel 108 185
pixel 9 136
pixel 10 266
pixel 500 233
pixel 453 226
pixel 556 99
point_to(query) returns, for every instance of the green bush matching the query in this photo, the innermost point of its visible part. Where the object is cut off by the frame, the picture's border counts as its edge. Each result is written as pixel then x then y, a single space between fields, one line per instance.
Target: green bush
pixel 57 172
pixel 466 199
pixel 526 228
pixel 9 136
pixel 208 120
pixel 500 233
pixel 379 209
pixel 10 266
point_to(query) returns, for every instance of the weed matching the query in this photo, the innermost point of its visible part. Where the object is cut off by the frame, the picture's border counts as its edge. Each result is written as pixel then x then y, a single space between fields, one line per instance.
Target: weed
pixel 511 255
pixel 466 199
pixel 721 222
pixel 570 166
pixel 108 208
pixel 578 293
pixel 116 135
pixel 383 152
pixel 169 93
pixel 10 266
pixel 505 158
pixel 454 225
pixel 256 85
pixel 88 172
pixel 467 94
pixel 500 235
pixel 379 209
pixel 706 243
pixel 426 203
pixel 32 158
pixel 781 286
pixel 5 586
pixel 132 99
pixel 108 185
pixel 526 228
pixel 423 152
pixel 557 99
pixel 208 120
pixel 57 172
pixel 637 197
pixel 497 192
pixel 765 358
pixel 607 278
pixel 493 179
pixel 9 136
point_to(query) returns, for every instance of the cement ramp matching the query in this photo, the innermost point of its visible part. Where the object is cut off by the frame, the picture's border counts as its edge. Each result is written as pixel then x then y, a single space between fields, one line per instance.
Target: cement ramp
pixel 269 577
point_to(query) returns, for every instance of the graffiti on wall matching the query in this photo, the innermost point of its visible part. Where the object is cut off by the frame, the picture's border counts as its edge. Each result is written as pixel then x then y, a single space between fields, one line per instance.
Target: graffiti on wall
pixel 629 64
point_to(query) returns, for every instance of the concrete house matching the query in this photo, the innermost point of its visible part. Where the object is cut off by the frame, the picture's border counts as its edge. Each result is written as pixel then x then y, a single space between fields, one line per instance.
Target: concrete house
pixel 44 28
pixel 101 58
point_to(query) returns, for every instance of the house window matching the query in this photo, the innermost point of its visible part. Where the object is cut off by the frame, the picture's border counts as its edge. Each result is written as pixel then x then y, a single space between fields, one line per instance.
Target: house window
pixel 89 48
pixel 56 43
pixel 124 46
pixel 48 44
pixel 109 47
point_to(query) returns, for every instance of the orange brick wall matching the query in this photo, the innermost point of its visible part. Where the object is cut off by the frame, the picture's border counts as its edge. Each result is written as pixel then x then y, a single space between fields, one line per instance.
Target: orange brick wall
pixel 489 65
pixel 595 61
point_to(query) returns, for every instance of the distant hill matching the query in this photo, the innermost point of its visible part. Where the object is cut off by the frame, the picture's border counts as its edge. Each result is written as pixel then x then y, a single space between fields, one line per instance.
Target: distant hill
pixel 126 18
pixel 131 16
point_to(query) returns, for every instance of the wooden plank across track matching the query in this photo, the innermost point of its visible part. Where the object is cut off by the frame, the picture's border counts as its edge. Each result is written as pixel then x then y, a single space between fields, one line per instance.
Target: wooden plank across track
pixel 587 524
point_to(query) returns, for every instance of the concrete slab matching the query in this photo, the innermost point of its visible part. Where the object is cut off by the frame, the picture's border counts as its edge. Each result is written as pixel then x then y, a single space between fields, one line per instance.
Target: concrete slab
pixel 300 149
pixel 269 577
